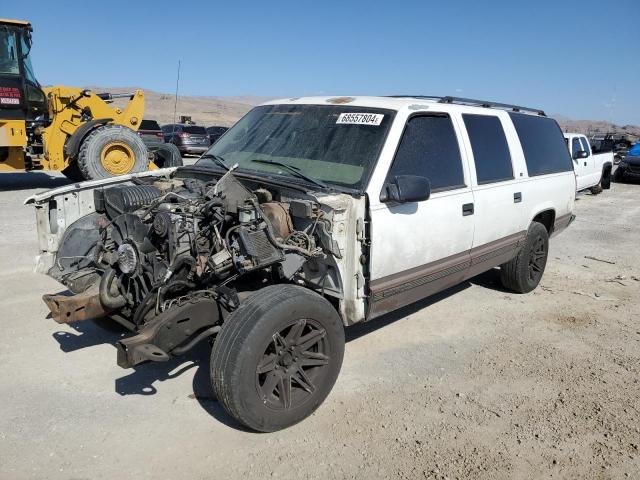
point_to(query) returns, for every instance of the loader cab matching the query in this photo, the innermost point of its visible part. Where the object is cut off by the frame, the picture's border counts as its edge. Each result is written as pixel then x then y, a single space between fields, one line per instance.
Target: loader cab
pixel 21 96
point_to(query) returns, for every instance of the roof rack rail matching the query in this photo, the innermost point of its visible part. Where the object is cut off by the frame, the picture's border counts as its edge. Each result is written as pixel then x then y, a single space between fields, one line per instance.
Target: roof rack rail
pixel 473 102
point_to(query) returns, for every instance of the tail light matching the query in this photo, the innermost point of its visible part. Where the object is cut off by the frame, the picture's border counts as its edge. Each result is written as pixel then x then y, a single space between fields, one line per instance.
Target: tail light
pixel 183 135
pixel 159 134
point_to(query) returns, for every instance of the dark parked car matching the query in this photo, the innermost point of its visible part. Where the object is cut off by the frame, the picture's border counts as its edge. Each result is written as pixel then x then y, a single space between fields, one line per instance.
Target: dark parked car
pixel 629 167
pixel 215 133
pixel 188 138
pixel 151 133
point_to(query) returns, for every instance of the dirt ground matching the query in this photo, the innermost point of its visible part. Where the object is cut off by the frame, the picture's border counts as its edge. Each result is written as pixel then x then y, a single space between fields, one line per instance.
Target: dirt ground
pixel 474 383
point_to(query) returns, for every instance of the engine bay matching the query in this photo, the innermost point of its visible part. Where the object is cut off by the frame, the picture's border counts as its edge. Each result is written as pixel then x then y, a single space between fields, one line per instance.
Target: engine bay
pixel 168 257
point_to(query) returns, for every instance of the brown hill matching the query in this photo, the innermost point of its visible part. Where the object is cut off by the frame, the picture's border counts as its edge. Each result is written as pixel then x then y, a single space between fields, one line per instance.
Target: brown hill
pixel 226 111
pixel 203 110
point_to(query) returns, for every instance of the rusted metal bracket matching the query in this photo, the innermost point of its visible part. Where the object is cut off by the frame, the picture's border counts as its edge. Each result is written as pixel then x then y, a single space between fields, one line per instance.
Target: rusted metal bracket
pixel 171 333
pixel 75 308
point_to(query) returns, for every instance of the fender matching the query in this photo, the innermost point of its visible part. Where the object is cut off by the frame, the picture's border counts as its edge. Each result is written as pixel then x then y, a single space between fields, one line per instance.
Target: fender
pixel 72 146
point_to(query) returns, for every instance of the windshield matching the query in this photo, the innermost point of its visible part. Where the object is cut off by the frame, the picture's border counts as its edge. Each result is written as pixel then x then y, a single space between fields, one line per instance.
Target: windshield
pixel 8 52
pixel 334 144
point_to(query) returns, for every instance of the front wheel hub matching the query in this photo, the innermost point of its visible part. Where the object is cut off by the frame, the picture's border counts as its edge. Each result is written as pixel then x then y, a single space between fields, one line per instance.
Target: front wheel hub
pixel 293 365
pixel 117 158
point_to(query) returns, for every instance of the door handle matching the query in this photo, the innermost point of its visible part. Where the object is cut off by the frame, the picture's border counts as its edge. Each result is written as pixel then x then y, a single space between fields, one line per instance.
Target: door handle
pixel 585 164
pixel 467 209
pixel 517 197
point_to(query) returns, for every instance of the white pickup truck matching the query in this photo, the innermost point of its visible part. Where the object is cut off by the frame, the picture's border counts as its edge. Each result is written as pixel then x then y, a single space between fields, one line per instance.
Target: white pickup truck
pixel 308 215
pixel 593 170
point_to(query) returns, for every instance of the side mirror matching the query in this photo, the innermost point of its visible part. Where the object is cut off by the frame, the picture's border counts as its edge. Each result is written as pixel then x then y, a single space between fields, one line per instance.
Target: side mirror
pixel 406 189
pixel 577 155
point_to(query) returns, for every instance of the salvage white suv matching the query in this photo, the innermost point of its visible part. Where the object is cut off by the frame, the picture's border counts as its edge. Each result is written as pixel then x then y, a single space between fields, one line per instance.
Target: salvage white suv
pixel 308 215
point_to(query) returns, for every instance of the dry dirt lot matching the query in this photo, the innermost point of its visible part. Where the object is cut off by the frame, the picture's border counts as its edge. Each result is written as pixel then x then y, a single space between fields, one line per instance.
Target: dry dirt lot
pixel 475 383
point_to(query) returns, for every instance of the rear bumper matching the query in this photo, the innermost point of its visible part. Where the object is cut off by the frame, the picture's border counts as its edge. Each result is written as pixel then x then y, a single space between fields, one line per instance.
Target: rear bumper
pixel 152 143
pixel 192 149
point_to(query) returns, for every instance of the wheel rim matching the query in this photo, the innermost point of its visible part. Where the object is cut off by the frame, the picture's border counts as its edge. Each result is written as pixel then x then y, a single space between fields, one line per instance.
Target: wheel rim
pixel 117 158
pixel 294 363
pixel 537 259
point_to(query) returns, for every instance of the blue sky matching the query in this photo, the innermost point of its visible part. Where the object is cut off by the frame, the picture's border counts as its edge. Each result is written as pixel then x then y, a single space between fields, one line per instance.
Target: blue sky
pixel 580 59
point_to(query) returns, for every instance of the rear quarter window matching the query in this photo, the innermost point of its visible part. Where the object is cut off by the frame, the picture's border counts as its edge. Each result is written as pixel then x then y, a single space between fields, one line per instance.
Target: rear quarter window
pixel 543 144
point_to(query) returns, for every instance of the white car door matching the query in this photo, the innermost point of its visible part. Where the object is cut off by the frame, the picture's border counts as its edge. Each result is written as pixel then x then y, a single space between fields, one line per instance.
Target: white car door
pixel 501 216
pixel 581 165
pixel 593 171
pixel 420 248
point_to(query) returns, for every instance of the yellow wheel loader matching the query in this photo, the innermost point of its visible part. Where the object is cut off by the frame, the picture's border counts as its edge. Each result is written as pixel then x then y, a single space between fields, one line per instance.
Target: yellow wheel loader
pixel 67 129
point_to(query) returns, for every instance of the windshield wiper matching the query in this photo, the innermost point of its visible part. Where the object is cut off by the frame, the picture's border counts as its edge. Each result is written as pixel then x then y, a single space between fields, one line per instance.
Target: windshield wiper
pixel 218 160
pixel 295 170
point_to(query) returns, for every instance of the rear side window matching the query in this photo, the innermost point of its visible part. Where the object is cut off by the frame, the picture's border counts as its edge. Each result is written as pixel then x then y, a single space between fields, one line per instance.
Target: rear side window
pixel 194 129
pixel 542 142
pixel 429 148
pixel 490 149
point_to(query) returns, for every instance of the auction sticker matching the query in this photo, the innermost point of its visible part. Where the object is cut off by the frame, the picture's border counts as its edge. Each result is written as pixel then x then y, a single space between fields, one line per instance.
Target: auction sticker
pixel 360 118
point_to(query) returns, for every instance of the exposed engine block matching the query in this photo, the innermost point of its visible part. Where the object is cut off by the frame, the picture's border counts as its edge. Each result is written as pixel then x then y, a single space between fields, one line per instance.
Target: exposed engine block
pixel 175 238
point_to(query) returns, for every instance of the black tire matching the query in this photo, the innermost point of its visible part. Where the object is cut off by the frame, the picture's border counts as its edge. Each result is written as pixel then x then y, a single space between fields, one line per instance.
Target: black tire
pixel 167 155
pixel 523 273
pixel 596 190
pixel 262 348
pixel 73 173
pixel 618 176
pixel 605 182
pixel 108 137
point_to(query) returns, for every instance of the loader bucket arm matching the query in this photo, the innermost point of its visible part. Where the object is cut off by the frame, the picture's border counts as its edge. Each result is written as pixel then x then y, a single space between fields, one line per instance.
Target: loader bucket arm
pixel 70 108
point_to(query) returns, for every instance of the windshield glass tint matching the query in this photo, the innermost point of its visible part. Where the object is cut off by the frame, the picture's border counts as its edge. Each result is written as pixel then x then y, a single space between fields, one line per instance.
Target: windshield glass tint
pixel 334 144
pixel 8 52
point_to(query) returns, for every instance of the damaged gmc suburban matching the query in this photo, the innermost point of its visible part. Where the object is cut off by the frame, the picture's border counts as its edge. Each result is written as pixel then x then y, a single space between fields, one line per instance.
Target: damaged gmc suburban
pixel 309 215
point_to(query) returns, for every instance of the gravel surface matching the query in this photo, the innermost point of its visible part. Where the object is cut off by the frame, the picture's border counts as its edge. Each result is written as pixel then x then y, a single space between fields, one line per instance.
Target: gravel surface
pixel 473 383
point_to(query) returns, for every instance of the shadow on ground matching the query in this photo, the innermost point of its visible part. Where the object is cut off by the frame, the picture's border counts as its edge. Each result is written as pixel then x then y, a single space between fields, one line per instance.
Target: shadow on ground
pixel 31 180
pixel 142 379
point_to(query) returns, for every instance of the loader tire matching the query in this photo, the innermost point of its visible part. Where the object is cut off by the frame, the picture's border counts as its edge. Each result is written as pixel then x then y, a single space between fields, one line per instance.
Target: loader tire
pixel 167 155
pixel 112 150
pixel 73 173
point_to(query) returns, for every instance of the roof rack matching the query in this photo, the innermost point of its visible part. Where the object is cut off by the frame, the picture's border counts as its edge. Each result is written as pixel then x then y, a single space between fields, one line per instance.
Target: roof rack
pixel 476 103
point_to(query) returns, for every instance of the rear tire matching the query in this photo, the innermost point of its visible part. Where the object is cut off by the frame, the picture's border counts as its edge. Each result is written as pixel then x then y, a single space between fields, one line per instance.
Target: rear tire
pixel 112 150
pixel 618 176
pixel 605 182
pixel 277 357
pixel 167 155
pixel 596 190
pixel 523 273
